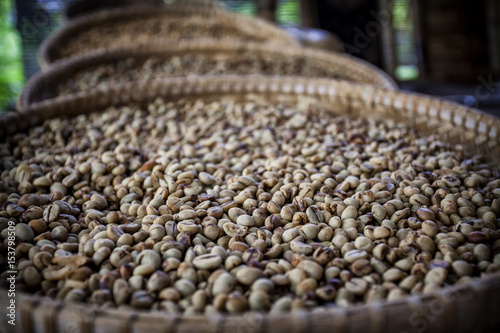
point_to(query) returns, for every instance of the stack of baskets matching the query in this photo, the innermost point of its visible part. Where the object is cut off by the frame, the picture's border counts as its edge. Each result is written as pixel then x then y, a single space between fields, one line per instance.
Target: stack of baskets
pixel 148 38
pixel 204 54
pixel 102 68
pixel 139 25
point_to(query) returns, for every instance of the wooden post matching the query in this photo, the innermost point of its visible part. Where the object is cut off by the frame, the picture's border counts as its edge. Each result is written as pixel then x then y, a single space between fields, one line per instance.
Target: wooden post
pixel 309 13
pixel 417 28
pixel 456 39
pixel 267 9
pixel 493 28
pixel 387 38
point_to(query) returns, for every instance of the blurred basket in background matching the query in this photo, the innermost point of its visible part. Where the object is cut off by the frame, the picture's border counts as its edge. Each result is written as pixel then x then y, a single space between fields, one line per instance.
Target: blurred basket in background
pixel 195 57
pixel 137 25
pixel 75 9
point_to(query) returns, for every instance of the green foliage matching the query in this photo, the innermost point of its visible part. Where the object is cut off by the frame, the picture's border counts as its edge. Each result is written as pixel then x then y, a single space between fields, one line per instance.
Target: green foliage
pixel 244 7
pixel 11 69
pixel 407 72
pixel 288 12
pixel 400 14
pixel 404 36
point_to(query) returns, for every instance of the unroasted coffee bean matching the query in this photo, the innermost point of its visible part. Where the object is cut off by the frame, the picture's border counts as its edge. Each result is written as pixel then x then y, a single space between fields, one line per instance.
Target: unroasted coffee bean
pixel 477 237
pixel 188 207
pixel 236 302
pixel 207 261
pixel 248 275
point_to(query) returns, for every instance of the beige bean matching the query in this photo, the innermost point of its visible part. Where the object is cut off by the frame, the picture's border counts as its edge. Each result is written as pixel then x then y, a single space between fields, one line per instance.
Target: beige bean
pixel 207 261
pixel 248 275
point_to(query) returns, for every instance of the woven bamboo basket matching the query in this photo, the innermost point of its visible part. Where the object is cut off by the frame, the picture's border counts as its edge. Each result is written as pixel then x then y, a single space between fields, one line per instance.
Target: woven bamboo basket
pixel 325 64
pixel 79 8
pixel 224 23
pixel 467 307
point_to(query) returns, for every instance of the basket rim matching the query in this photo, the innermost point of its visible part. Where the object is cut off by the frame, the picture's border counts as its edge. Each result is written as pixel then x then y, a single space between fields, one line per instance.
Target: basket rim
pixel 447 296
pixel 476 127
pixel 282 84
pixel 46 59
pixel 357 67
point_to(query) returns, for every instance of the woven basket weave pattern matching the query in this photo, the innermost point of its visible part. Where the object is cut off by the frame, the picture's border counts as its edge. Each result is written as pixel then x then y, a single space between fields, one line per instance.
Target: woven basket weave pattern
pixel 245 27
pixel 341 66
pixel 461 309
pixel 478 131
